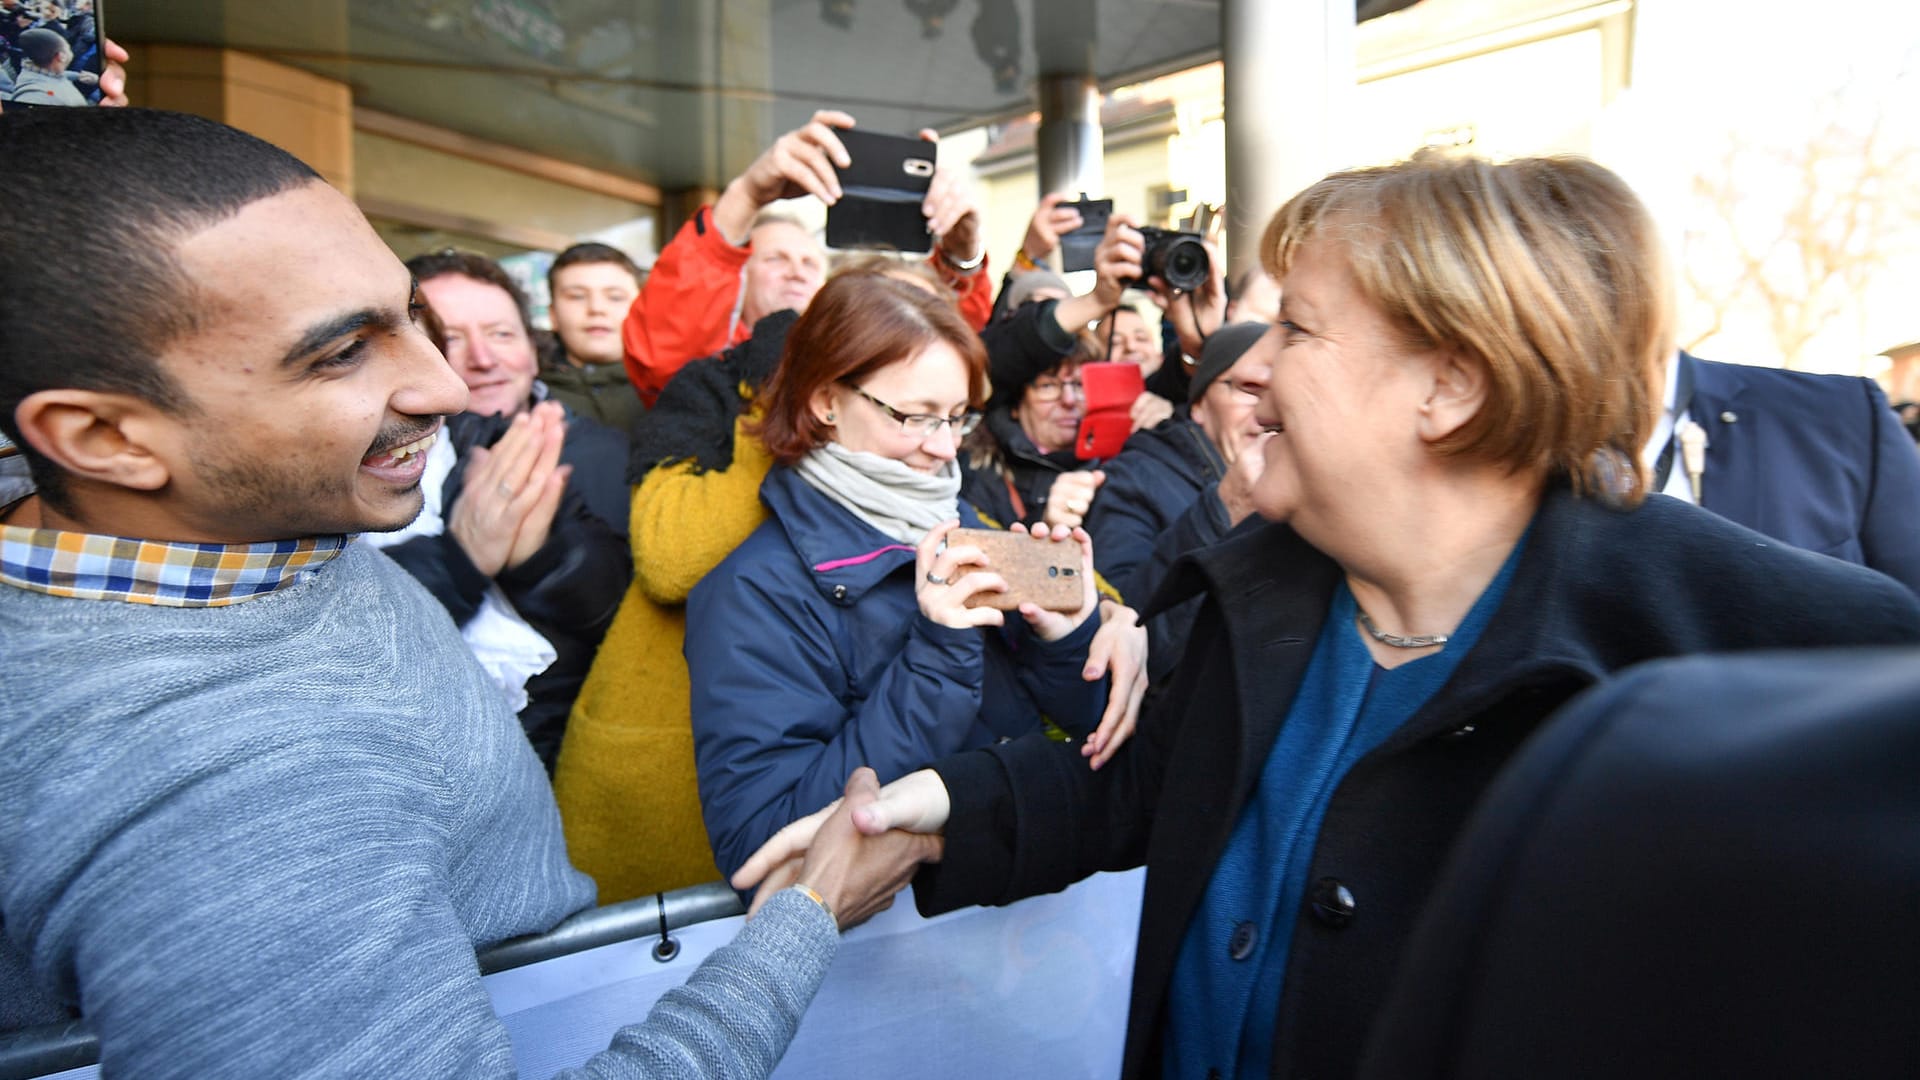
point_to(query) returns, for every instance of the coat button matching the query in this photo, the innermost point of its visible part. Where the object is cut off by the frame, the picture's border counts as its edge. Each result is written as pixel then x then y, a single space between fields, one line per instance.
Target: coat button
pixel 1729 417
pixel 1332 902
pixel 1245 936
pixel 839 592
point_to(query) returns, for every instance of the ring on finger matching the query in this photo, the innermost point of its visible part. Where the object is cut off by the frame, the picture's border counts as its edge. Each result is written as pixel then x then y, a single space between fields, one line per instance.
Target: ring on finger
pixel 505 491
pixel 935 579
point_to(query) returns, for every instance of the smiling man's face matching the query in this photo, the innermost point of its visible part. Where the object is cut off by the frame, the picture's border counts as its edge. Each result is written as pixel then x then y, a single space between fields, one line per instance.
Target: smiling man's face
pixel 487 343
pixel 312 395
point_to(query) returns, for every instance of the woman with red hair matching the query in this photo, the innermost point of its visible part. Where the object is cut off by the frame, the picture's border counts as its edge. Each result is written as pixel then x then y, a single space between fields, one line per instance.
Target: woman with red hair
pixel 839 634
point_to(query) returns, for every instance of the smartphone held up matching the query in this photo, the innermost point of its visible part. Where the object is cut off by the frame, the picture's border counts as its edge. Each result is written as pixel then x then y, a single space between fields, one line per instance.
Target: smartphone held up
pixel 1039 571
pixel 54 54
pixel 883 188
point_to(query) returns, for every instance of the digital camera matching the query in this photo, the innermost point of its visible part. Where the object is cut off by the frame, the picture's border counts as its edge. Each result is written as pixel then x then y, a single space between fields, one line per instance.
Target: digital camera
pixel 1177 258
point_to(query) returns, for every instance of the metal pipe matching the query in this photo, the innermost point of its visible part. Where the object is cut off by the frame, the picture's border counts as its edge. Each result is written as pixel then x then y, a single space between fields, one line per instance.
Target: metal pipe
pixel 51 1048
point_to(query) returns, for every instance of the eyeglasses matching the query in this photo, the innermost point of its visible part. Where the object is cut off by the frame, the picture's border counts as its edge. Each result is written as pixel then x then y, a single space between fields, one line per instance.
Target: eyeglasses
pixel 922 425
pixel 1242 393
pixel 1047 388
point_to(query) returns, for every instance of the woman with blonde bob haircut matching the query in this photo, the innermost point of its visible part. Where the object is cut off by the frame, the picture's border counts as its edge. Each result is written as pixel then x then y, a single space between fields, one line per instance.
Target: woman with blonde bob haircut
pixel 1456 543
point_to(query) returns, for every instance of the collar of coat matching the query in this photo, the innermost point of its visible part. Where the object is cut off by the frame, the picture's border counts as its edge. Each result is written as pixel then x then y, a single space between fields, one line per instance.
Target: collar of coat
pixel 846 556
pixel 1596 590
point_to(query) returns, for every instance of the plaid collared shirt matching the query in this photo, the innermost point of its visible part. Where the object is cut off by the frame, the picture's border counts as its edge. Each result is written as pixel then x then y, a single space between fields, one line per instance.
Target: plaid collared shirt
pixel 89 567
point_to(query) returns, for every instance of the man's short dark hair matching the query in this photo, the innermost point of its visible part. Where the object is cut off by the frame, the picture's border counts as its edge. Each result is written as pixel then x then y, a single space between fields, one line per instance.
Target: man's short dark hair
pixel 101 198
pixel 590 253
pixel 478 267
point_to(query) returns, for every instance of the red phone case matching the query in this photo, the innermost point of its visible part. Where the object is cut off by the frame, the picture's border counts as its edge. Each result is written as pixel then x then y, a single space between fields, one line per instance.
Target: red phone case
pixel 1110 393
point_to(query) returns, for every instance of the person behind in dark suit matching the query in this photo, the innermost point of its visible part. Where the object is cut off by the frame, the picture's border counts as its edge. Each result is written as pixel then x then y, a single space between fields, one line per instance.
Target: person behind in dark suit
pixel 1821 462
pixel 1458 544
pixel 1704 868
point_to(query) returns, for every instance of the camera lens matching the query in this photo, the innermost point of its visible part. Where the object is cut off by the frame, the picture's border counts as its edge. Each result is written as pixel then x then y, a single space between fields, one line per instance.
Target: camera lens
pixel 1184 266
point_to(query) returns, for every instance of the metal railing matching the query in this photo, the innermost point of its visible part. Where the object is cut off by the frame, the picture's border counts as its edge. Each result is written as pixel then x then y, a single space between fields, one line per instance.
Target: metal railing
pixel 51 1048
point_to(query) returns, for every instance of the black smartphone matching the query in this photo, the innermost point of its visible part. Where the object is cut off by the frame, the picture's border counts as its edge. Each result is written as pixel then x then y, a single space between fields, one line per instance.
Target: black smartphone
pixel 881 190
pixel 1076 247
pixel 53 54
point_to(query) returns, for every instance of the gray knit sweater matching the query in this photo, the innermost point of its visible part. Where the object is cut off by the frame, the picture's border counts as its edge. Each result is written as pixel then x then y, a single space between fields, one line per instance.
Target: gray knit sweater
pixel 264 840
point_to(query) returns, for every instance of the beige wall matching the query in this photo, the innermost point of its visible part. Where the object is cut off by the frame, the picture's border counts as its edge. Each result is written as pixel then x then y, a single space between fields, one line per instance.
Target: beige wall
pixel 401 181
pixel 309 116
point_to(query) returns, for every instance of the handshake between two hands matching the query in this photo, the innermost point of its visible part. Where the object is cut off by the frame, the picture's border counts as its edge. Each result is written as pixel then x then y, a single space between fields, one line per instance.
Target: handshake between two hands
pixel 857 852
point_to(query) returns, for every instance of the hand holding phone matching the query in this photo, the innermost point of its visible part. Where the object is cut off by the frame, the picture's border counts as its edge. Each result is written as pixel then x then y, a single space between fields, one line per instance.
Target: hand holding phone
pixel 883 187
pixel 1077 246
pixel 1037 570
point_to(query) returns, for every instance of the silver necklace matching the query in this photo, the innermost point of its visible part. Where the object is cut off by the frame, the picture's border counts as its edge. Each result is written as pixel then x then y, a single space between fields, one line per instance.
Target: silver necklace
pixel 1421 641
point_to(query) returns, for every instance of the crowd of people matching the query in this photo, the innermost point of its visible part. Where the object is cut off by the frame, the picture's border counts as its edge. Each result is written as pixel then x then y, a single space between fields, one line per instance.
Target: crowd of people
pixel 52 53
pixel 347 633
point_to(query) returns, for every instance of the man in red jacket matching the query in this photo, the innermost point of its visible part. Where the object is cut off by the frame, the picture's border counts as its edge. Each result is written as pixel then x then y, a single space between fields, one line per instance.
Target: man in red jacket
pixel 732 264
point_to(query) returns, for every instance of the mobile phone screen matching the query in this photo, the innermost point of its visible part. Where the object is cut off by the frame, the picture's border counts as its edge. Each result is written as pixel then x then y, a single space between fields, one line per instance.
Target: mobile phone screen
pixel 54 54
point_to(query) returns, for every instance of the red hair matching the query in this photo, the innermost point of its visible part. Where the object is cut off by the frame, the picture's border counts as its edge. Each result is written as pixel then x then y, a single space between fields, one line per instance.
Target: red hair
pixel 857 324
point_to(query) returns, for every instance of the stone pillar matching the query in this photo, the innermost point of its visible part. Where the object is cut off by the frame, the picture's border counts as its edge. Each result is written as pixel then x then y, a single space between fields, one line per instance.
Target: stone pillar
pixel 1069 143
pixel 1289 81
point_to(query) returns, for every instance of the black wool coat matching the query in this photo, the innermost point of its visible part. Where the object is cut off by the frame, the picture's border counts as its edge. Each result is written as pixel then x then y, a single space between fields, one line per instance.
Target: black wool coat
pixel 1595 590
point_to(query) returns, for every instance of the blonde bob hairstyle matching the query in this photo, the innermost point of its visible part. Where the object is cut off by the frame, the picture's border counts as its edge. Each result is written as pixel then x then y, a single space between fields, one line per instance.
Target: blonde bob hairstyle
pixel 1549 270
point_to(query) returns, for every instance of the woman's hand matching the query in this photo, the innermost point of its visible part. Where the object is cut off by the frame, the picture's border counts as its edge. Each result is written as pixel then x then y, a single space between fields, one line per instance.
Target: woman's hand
pixel 1070 495
pixel 1052 625
pixel 917 803
pixel 1148 410
pixel 1119 648
pixel 945 585
pixel 113 81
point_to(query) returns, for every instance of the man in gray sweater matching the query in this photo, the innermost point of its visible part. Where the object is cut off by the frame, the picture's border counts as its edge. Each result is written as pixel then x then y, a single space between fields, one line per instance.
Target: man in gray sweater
pixel 259 804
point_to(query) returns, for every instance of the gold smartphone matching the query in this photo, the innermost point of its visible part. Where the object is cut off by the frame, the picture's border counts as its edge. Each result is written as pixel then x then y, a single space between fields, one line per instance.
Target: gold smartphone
pixel 1037 570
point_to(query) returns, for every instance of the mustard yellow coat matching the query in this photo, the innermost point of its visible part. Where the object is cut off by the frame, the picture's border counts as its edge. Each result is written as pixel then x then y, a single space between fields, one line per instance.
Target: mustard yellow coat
pixel 625 778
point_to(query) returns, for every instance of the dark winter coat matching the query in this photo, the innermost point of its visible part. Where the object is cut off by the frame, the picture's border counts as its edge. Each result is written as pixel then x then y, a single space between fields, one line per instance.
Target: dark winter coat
pixel 1159 502
pixel 1595 590
pixel 1007 477
pixel 568 590
pixel 810 657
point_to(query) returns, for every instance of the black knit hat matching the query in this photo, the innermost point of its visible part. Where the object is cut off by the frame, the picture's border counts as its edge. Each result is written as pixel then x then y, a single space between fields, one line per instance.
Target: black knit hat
pixel 1222 350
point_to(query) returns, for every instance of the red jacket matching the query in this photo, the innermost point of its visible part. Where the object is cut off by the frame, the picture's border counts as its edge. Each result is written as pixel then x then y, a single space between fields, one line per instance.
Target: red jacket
pixel 689 306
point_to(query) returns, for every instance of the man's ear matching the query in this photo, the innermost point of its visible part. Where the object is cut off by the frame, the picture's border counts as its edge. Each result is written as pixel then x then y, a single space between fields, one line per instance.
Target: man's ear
pixel 108 438
pixel 1460 386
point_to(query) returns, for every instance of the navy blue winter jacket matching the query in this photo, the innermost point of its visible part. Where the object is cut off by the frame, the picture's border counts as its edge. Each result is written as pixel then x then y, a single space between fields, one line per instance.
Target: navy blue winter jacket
pixel 1159 502
pixel 809 657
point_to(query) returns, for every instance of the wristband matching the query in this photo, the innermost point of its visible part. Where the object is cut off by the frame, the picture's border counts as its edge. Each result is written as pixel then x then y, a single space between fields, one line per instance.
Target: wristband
pixel 1022 261
pixel 967 266
pixel 807 891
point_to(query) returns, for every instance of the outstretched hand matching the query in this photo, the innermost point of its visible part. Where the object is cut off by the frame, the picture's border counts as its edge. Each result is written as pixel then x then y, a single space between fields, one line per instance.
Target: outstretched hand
pixel 801 162
pixel 1118 649
pixel 857 852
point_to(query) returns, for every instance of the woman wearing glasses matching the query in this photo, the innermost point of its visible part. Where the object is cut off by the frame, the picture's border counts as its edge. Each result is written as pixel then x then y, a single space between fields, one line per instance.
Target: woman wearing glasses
pixel 1020 465
pixel 838 634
